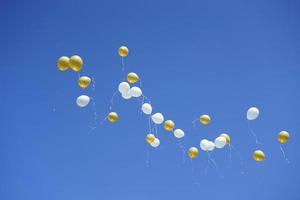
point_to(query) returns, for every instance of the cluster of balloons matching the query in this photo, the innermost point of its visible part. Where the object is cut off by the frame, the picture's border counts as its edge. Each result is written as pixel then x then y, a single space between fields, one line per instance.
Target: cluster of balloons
pixel 126 90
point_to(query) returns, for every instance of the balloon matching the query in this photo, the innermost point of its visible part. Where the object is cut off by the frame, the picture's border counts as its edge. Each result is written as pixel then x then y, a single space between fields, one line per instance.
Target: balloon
pixel 283 136
pixel 126 95
pixel 76 63
pixel 211 146
pixel 220 142
pixel 169 125
pixel 155 143
pixel 84 81
pixel 204 144
pixel 147 108
pixel 150 138
pixel 113 117
pixel 83 100
pixel 178 133
pixel 157 118
pixel 124 87
pixel 136 92
pixel 204 119
pixel 123 51
pixel 132 77
pixel 226 136
pixel 63 63
pixel 193 152
pixel 258 155
pixel 252 113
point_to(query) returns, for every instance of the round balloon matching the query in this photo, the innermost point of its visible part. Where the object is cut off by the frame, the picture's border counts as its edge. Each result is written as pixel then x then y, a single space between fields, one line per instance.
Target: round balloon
pixel 283 136
pixel 126 95
pixel 112 116
pixel 76 63
pixel 150 138
pixel 155 143
pixel 226 136
pixel 193 152
pixel 252 113
pixel 211 146
pixel 157 118
pixel 123 51
pixel 63 63
pixel 84 81
pixel 83 100
pixel 204 119
pixel 132 77
pixel 204 143
pixel 136 92
pixel 178 133
pixel 258 155
pixel 124 87
pixel 147 108
pixel 220 142
pixel 169 125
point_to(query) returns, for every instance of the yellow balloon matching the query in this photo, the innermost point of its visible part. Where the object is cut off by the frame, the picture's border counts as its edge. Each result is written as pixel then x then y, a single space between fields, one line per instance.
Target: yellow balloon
pixel 169 125
pixel 63 63
pixel 204 119
pixel 150 138
pixel 132 77
pixel 76 63
pixel 283 136
pixel 226 136
pixel 113 117
pixel 123 51
pixel 193 152
pixel 259 155
pixel 84 81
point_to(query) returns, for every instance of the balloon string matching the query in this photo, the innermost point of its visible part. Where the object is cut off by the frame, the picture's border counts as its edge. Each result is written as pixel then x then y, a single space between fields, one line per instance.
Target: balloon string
pixel 194 123
pixel 147 156
pixel 229 165
pixel 94 100
pixel 182 150
pixel 241 159
pixel 253 134
pixel 215 165
pixel 112 100
pixel 284 156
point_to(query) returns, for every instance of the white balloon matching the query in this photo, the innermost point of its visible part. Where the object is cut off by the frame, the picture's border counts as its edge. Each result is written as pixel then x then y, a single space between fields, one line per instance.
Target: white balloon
pixel 157 118
pixel 126 95
pixel 204 144
pixel 252 113
pixel 147 108
pixel 155 143
pixel 135 91
pixel 211 146
pixel 178 133
pixel 220 142
pixel 124 87
pixel 83 100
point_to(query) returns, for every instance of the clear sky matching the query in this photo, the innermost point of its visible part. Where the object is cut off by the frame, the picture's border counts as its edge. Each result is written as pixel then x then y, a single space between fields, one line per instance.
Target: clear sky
pixel 194 57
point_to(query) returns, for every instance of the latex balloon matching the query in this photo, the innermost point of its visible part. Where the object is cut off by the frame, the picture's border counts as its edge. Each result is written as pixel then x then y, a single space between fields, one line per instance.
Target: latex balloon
pixel 112 117
pixel 63 63
pixel 204 143
pixel 211 146
pixel 220 142
pixel 150 138
pixel 155 143
pixel 226 136
pixel 124 87
pixel 252 113
pixel 136 92
pixel 123 51
pixel 132 77
pixel 84 81
pixel 258 155
pixel 178 133
pixel 76 63
pixel 169 125
pixel 147 108
pixel 193 152
pixel 157 118
pixel 204 119
pixel 83 100
pixel 283 136
pixel 126 95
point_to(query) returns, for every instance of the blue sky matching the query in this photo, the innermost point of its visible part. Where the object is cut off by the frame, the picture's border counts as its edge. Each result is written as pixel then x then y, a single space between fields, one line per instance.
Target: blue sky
pixel 194 57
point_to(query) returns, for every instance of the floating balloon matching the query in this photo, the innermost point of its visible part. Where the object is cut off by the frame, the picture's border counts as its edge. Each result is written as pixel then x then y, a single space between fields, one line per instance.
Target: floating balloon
pixel 204 119
pixel 132 77
pixel 150 138
pixel 210 146
pixel 169 125
pixel 204 143
pixel 157 118
pixel 178 133
pixel 83 100
pixel 193 152
pixel 258 155
pixel 155 143
pixel 76 63
pixel 84 81
pixel 63 63
pixel 124 87
pixel 147 108
pixel 126 95
pixel 220 142
pixel 283 136
pixel 252 113
pixel 123 51
pixel 226 136
pixel 112 117
pixel 136 92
